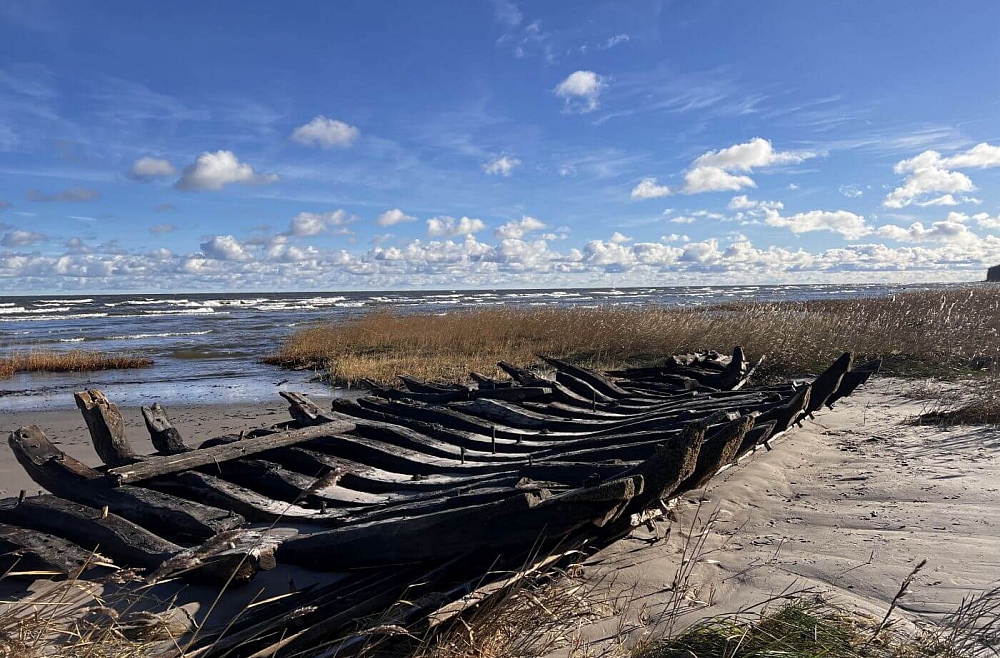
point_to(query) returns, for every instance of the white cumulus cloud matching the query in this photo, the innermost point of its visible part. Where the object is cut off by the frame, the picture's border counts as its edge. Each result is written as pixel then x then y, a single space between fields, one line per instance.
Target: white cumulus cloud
pixel 449 227
pixel 945 231
pixel 847 224
pixel 224 247
pixel 215 170
pixel 149 169
pixel 314 223
pixel 581 91
pixel 326 133
pixel 517 229
pixel 930 173
pixel 393 217
pixel 726 170
pixel 502 165
pixel 648 189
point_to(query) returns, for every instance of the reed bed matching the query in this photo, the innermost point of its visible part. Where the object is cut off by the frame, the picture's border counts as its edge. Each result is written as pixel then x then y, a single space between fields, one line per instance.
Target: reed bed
pixel 945 333
pixel 68 361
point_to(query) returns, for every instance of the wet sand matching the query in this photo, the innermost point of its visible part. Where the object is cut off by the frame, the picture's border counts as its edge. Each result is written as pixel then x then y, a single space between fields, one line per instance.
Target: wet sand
pixel 67 430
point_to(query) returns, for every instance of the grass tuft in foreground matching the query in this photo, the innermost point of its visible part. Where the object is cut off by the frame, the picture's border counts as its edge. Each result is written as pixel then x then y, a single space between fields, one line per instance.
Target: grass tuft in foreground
pixel 945 333
pixel 69 361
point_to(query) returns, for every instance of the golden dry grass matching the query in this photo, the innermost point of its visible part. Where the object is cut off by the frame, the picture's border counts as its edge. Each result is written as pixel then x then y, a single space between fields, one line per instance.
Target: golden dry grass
pixel 69 361
pixel 953 331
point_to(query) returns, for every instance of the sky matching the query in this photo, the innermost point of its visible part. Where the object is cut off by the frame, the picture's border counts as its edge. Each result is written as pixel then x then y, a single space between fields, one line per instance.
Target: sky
pixel 368 145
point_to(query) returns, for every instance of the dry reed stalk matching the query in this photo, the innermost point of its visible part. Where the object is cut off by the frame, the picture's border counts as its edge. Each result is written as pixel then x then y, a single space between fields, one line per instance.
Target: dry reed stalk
pixel 68 361
pixel 947 332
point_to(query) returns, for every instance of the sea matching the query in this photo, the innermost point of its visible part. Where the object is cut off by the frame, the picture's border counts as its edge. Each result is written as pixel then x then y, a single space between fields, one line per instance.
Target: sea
pixel 207 348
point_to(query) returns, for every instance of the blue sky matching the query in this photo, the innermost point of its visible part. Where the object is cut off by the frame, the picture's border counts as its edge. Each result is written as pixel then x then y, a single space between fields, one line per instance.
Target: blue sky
pixel 377 145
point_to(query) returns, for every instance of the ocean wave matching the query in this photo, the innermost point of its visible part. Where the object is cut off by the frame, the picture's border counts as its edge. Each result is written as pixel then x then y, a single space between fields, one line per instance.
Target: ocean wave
pixel 20 310
pixel 165 334
pixel 40 318
pixel 65 301
pixel 185 311
pixel 71 340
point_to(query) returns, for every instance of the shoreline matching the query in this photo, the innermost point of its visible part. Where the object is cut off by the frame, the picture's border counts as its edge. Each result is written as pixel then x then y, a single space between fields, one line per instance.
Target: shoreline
pixel 66 429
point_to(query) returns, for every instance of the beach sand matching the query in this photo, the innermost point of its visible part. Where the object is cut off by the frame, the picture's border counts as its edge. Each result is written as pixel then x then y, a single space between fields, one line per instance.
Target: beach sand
pixel 847 505
pixel 67 430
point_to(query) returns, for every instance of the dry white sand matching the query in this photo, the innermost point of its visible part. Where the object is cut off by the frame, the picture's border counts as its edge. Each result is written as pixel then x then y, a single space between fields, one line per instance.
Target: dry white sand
pixel 846 506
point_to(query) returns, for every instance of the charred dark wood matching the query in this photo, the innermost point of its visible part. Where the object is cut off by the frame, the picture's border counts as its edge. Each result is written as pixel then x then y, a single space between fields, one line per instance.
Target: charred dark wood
pixel 123 541
pixel 519 521
pixel 852 380
pixel 249 504
pixel 158 466
pixel 719 448
pixel 828 382
pixel 165 437
pixel 418 386
pixel 785 414
pixel 593 379
pixel 166 515
pixel 106 426
pixel 28 552
pixel 583 389
pixel 486 383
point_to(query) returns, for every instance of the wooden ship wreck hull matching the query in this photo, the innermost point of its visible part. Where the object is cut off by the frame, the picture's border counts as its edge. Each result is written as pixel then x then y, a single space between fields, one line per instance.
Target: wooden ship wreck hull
pixel 426 492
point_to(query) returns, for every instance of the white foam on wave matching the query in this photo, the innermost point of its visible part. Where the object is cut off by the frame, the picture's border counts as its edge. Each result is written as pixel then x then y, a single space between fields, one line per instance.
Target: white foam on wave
pixel 200 310
pixel 65 301
pixel 165 334
pixel 40 318
pixel 71 340
pixel 20 310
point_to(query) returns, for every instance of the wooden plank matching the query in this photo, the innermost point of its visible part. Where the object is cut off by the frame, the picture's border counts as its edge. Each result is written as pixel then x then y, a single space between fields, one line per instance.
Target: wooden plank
pixel 594 379
pixel 24 551
pixel 828 382
pixel 125 542
pixel 161 465
pixel 166 515
pixel 249 504
pixel 493 529
pixel 106 426
pixel 718 449
pixel 165 437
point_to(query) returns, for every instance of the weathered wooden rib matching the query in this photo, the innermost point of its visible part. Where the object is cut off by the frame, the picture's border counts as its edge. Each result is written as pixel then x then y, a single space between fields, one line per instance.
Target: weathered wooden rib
pixel 168 516
pixel 785 414
pixel 166 464
pixel 125 542
pixel 107 427
pixel 165 437
pixel 852 380
pixel 249 504
pixel 597 381
pixel 718 449
pixel 518 520
pixel 485 382
pixel 35 553
pixel 828 382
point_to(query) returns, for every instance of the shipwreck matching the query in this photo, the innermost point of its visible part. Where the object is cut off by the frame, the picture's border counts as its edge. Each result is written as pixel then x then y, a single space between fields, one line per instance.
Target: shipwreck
pixel 436 495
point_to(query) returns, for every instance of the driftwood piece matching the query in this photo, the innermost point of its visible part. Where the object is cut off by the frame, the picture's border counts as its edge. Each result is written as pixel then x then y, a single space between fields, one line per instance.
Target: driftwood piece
pixel 160 465
pixel 165 437
pixel 485 382
pixel 88 527
pixel 168 516
pixel 106 426
pixel 35 553
pixel 304 410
